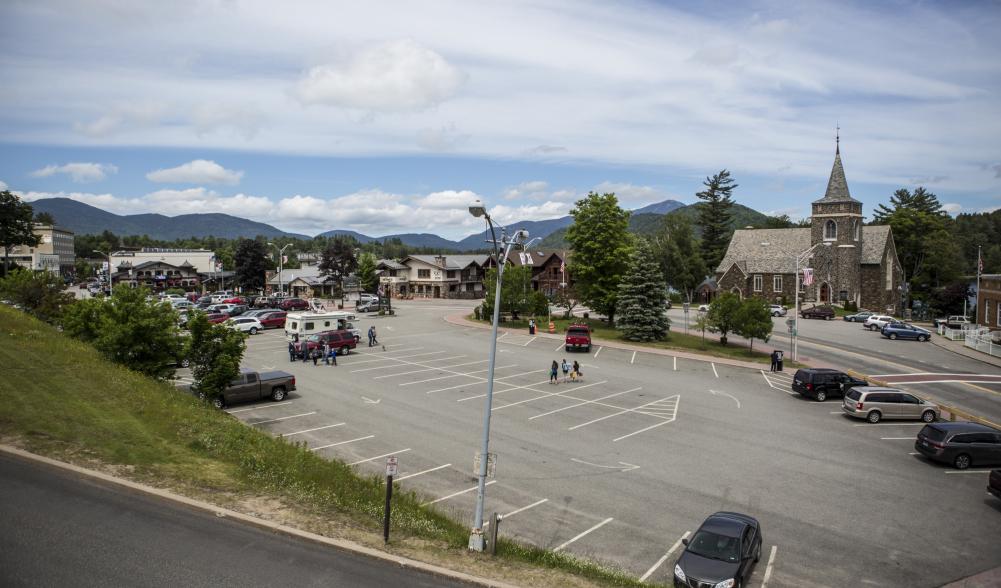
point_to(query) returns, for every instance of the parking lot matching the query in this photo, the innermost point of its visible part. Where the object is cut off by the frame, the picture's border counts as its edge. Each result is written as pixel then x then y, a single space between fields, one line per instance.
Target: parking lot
pixel 621 465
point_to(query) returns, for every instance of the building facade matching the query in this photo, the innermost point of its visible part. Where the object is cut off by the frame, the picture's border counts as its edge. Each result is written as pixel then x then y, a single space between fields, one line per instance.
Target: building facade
pixel 202 260
pixel 548 270
pixel 53 253
pixel 850 262
pixel 441 276
pixel 989 302
pixel 157 276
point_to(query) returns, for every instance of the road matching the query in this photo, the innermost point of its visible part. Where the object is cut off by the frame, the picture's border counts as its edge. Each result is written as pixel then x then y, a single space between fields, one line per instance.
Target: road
pixel 61 529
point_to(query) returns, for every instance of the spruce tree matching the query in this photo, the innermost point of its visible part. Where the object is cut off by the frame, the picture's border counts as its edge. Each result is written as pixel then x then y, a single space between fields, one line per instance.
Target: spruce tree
pixel 642 297
pixel 715 217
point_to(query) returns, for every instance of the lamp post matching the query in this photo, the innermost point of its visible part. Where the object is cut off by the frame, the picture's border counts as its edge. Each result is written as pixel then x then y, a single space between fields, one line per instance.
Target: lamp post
pixel 108 255
pixel 476 540
pixel 801 258
pixel 281 264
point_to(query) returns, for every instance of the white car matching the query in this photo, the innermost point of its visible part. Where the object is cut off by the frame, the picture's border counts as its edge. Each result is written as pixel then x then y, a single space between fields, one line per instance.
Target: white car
pixel 777 309
pixel 246 324
pixel 703 308
pixel 876 322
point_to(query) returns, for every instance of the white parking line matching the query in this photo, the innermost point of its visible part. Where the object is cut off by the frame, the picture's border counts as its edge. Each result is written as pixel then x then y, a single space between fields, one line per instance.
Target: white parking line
pixel 441 467
pixel 465 375
pixel 294 416
pixel 456 494
pixel 558 347
pixel 310 430
pixel 597 352
pixel 896 438
pixel 633 358
pixel 582 404
pixel 714 369
pixel 642 430
pixel 340 443
pixel 661 561
pixel 378 456
pixel 675 363
pixel 967 471
pixel 615 414
pixel 430 369
pixel 384 366
pixel 529 341
pixel 921 424
pixel 768 568
pixel 261 407
pixel 598 526
pixel 545 395
pixel 524 508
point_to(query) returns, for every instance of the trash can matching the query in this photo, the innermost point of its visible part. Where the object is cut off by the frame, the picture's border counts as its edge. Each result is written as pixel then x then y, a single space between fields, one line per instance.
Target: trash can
pixel 778 361
pixel 531 327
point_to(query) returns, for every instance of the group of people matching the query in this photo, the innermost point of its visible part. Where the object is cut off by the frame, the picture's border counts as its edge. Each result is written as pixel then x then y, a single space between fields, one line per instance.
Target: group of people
pixel 297 350
pixel 571 373
pixel 371 336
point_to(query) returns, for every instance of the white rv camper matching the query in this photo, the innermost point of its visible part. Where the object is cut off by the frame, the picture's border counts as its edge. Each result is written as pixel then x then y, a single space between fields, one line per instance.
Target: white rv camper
pixel 299 325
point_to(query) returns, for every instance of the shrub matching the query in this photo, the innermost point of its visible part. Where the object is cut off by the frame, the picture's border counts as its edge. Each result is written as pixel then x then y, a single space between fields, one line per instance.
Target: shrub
pixel 851 306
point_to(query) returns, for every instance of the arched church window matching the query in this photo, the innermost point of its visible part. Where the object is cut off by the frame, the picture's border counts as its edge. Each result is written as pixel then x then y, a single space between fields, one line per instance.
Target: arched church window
pixel 830 230
pixel 855 229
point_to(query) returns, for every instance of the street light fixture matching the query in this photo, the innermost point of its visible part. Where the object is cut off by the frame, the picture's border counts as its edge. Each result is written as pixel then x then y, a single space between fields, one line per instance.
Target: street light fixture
pixel 281 265
pixel 476 539
pixel 108 255
pixel 801 258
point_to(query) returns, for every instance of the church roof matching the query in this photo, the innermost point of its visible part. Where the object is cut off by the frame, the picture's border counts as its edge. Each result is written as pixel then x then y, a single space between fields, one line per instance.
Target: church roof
pixel 766 251
pixel 837 186
pixel 874 238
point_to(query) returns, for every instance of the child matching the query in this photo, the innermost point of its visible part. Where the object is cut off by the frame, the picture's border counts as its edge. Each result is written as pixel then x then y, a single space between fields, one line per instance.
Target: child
pixel 332 355
pixel 576 371
pixel 553 370
pixel 566 369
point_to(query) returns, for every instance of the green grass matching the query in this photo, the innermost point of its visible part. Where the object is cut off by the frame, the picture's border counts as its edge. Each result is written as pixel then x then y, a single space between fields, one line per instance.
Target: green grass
pixel 58 397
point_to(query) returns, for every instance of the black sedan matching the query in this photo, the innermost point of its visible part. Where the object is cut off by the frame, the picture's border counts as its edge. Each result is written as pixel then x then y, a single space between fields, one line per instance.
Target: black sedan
pixel 858 317
pixel 721 554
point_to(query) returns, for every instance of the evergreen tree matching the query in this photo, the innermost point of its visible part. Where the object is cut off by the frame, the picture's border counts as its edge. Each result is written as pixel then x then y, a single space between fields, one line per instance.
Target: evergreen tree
pixel 44 218
pixel 338 261
pixel 16 227
pixel 367 277
pixel 677 251
pixel 715 216
pixel 601 244
pixel 642 298
pixel 251 262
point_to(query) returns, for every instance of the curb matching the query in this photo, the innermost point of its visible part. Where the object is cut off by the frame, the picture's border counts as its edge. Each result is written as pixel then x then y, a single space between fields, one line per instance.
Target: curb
pixel 339 544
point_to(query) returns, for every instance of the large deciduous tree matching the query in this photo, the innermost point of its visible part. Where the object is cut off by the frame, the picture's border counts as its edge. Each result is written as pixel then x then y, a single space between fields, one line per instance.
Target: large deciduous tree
pixel 16 227
pixel 642 297
pixel 42 294
pixel 715 216
pixel 251 262
pixel 677 251
pixel 516 291
pixel 722 316
pixel 338 261
pixel 601 245
pixel 754 320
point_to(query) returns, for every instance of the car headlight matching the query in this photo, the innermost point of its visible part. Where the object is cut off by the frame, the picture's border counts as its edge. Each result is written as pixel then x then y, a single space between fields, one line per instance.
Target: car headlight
pixel 679 573
pixel 725 584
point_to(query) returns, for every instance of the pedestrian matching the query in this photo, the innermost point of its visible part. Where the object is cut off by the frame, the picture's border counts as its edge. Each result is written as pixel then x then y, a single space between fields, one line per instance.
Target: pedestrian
pixel 576 375
pixel 304 351
pixel 553 370
pixel 566 369
pixel 371 335
pixel 324 353
pixel 375 336
pixel 315 354
pixel 775 360
pixel 531 326
pixel 291 351
pixel 333 354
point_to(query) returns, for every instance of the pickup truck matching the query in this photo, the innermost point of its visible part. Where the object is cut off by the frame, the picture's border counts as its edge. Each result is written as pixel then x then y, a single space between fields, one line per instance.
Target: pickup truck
pixel 955 321
pixel 578 337
pixel 251 385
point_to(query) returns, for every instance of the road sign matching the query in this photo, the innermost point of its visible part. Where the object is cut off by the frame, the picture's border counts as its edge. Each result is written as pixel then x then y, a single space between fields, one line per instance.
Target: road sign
pixel 790 322
pixel 391 465
pixel 685 306
pixel 491 464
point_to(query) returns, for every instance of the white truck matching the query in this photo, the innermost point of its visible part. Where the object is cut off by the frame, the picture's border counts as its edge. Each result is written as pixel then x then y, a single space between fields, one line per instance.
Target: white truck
pixel 299 325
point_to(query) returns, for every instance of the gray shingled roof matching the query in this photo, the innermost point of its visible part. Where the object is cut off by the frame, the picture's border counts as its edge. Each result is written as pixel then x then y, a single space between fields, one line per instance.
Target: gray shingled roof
pixel 452 262
pixel 874 242
pixel 766 251
pixel 390 264
pixel 837 186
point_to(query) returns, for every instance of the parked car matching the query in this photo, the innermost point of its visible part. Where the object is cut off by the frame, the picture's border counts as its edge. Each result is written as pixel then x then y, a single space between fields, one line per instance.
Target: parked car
pixel 181 304
pixel 703 308
pixel 372 306
pixel 994 483
pixel 293 304
pixel 250 386
pixel 273 320
pixel 245 324
pixel 721 553
pixel 905 331
pixel 193 297
pixel 955 321
pixel 961 444
pixel 204 302
pixel 818 312
pixel 259 312
pixel 223 308
pixel 235 300
pixel 365 297
pixel 874 404
pixel 777 309
pixel 578 337
pixel 858 317
pixel 237 309
pixel 876 322
pixel 219 295
pixel 822 383
pixel 342 340
pixel 216 317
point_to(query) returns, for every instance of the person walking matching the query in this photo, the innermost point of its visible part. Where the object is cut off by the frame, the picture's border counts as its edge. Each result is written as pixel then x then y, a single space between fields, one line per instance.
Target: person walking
pixel 375 336
pixel 576 375
pixel 315 354
pixel 566 369
pixel 332 354
pixel 553 371
pixel 291 351
pixel 371 336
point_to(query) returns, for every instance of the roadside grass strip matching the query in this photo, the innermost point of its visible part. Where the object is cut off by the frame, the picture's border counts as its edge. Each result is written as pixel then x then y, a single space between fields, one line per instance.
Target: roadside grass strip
pixel 664 557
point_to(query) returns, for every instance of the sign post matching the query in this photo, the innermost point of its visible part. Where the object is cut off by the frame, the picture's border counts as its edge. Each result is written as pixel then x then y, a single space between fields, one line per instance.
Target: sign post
pixel 391 469
pixel 686 306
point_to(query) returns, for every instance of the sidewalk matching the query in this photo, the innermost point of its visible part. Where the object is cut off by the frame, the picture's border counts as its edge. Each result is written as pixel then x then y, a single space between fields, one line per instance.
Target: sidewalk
pixel 959 348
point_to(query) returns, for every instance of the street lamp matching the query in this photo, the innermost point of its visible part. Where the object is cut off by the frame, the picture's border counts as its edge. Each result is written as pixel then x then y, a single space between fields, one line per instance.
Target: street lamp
pixel 801 258
pixel 476 542
pixel 281 264
pixel 108 255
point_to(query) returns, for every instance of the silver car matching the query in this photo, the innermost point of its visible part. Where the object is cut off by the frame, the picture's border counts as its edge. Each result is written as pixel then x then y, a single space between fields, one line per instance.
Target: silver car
pixel 874 404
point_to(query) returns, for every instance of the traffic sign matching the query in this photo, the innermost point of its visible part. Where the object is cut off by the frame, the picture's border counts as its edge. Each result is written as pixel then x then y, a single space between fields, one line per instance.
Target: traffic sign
pixel 391 465
pixel 686 306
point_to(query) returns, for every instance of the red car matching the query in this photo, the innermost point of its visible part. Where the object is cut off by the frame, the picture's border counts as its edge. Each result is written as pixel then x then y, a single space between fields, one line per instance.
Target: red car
pixel 273 320
pixel 343 341
pixel 578 337
pixel 234 300
pixel 216 317
pixel 293 304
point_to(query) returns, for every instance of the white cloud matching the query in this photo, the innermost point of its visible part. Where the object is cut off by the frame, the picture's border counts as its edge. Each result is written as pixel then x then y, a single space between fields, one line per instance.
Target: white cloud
pixel 444 138
pixel 244 121
pixel 199 171
pixel 448 199
pixel 394 76
pixel 123 118
pixel 78 172
pixel 549 209
pixel 535 189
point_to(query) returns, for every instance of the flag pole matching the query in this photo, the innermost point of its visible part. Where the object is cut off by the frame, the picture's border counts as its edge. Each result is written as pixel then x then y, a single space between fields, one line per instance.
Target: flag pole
pixel 980 268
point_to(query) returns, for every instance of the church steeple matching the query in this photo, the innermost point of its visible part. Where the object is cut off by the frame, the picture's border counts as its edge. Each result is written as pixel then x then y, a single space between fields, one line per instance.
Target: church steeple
pixel 837 185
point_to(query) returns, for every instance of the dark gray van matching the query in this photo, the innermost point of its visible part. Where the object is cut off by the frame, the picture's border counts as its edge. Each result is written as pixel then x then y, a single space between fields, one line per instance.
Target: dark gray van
pixel 823 383
pixel 961 444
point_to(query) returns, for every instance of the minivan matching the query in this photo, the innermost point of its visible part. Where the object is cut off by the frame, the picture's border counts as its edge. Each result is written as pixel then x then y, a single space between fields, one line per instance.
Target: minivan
pixel 822 383
pixel 961 444
pixel 874 404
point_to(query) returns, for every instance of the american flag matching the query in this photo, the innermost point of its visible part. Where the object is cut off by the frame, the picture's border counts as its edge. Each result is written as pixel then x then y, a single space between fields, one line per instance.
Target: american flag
pixel 807 276
pixel 980 262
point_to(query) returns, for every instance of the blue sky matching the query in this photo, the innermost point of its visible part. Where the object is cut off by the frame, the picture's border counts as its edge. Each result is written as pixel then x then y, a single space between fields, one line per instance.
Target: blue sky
pixel 389 117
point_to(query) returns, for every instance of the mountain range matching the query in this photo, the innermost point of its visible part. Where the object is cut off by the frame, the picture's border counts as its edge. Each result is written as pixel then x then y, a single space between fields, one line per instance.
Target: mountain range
pixel 86 219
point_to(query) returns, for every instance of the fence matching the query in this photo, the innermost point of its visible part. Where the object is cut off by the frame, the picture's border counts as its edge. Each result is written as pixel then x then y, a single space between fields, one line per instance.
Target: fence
pixel 982 341
pixel 953 334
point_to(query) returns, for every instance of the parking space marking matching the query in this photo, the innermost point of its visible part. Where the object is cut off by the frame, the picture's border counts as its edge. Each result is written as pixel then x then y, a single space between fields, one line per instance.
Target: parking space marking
pixel 768 568
pixel 727 394
pixel 597 352
pixel 643 430
pixel 558 347
pixel 675 363
pixel 294 416
pixel 430 369
pixel 340 443
pixel 544 395
pixel 967 471
pixel 484 381
pixel 428 471
pixel 453 495
pixel 400 359
pixel 458 375
pixel 921 424
pixel 529 341
pixel 582 403
pixel 626 410
pixel 524 508
pixel 661 561
pixel 360 461
pixel 310 430
pixel 633 358
pixel 261 407
pixel 714 369
pixel 598 526
pixel 896 438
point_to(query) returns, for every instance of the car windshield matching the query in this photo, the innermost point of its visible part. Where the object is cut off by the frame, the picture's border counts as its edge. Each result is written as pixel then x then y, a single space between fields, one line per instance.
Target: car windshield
pixel 714 546
pixel 854 394
pixel 933 433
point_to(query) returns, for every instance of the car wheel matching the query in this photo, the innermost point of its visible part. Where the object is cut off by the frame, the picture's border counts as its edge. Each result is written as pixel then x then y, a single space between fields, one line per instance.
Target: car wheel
pixel 874 416
pixel 253 330
pixel 821 396
pixel 922 338
pixel 893 336
pixel 345 350
pixel 962 461
pixel 757 554
pixel 185 363
pixel 567 349
pixel 928 416
pixel 217 402
pixel 278 394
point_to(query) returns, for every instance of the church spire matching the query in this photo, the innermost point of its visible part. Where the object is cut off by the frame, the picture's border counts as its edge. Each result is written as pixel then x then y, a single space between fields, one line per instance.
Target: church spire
pixel 837 185
pixel 837 140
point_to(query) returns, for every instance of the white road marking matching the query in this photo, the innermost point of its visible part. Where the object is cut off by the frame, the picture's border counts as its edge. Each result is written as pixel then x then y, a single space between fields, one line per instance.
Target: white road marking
pixel 524 508
pixel 261 407
pixel 453 495
pixel 714 369
pixel 294 416
pixel 967 471
pixel 370 401
pixel 558 347
pixel 913 453
pixel 768 569
pixel 628 466
pixel 597 352
pixel 921 424
pixel 384 366
pixel 896 438
pixel 836 412
pixel 512 389
pixel 633 358
pixel 675 363
pixel 581 404
pixel 465 375
pixel 529 341
pixel 340 443
pixel 661 561
pixel 598 526
pixel 504 334
pixel 546 395
pixel 430 369
pixel 496 380
pixel 642 430
pixel 715 392
pixel 310 430
pixel 621 411
pixel 378 456
pixel 401 478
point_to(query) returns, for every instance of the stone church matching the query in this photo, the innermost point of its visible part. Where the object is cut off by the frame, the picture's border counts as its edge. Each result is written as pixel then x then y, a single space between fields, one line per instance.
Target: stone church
pixel 851 262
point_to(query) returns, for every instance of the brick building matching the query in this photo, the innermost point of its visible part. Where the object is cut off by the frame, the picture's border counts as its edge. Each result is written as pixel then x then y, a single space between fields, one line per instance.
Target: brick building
pixel 548 273
pixel 989 302
pixel 855 263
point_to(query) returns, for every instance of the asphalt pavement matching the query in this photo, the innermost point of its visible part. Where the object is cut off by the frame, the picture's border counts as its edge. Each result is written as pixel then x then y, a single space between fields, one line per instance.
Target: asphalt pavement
pixel 60 529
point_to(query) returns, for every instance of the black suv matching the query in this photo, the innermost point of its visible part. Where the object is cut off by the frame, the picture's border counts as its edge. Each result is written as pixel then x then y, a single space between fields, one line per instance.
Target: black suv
pixel 822 383
pixel 960 444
